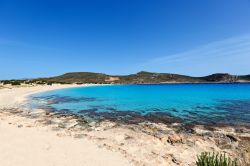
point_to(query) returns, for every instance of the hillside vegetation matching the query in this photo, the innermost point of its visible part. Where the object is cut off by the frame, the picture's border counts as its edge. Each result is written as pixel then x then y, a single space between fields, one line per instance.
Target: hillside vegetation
pixel 142 78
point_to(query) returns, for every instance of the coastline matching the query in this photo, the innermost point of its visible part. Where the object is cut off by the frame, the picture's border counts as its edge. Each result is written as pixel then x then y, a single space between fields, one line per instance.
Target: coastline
pixel 17 95
pixel 145 143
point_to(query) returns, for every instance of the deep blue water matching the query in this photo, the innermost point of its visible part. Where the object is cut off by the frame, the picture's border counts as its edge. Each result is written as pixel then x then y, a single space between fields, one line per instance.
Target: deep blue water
pixel 204 103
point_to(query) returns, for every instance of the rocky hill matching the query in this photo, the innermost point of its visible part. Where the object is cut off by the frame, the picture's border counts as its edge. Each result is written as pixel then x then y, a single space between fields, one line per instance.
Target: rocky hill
pixel 143 77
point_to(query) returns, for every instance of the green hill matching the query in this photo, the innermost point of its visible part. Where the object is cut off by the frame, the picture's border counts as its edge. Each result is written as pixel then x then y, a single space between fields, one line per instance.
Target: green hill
pixel 142 77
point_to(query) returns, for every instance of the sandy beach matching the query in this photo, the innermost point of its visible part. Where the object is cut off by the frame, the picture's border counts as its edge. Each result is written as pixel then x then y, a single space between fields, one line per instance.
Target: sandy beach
pixel 24 144
pixel 40 137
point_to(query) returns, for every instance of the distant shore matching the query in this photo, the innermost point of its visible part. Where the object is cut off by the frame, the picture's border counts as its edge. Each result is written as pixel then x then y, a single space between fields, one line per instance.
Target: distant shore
pixel 42 137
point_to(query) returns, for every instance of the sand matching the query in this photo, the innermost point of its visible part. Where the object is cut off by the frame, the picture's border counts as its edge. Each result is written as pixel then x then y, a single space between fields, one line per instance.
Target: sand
pixel 28 146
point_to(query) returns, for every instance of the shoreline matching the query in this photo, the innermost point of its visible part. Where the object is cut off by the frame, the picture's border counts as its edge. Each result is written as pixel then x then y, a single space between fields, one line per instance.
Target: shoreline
pixel 145 143
pixel 19 94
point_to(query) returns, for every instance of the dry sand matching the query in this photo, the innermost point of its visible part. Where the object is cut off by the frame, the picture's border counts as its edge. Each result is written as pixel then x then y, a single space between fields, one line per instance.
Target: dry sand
pixel 29 146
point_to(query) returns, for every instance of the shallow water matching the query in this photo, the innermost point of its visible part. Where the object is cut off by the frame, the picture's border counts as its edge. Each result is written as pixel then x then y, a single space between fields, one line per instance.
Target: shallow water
pixel 202 103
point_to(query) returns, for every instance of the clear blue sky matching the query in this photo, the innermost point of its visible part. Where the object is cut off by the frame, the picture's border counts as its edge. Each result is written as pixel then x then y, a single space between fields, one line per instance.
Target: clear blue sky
pixel 195 37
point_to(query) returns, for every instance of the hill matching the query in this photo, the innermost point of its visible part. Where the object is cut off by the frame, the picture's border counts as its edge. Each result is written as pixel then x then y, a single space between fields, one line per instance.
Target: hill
pixel 143 77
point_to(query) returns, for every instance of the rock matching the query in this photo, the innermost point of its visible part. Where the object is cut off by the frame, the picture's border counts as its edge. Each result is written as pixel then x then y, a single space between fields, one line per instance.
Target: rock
pixel 164 139
pixel 224 143
pixel 107 124
pixel 176 124
pixel 91 124
pixel 128 137
pixel 244 138
pixel 71 124
pixel 175 161
pixel 29 126
pixel 240 130
pixel 232 138
pixel 208 133
pixel 61 125
pixel 246 156
pixel 79 135
pixel 20 126
pixel 174 139
pixel 189 142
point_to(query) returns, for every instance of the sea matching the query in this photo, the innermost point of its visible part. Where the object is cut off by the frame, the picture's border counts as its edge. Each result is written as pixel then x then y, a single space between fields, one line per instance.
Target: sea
pixel 185 103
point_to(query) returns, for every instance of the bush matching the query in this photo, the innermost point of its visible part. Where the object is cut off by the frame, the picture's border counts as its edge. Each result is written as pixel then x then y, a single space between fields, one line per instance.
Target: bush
pixel 15 83
pixel 6 82
pixel 207 159
pixel 40 83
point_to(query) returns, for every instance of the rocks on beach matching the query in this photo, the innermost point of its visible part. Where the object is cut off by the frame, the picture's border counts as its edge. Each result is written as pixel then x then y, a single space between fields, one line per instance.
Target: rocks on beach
pixel 145 143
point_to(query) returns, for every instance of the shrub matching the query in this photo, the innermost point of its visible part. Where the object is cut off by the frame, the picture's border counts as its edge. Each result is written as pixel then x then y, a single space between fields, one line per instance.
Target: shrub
pixel 6 82
pixel 40 83
pixel 15 83
pixel 207 159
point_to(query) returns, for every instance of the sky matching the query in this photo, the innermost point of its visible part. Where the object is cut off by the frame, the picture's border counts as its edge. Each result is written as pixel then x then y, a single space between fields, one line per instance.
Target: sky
pixel 45 38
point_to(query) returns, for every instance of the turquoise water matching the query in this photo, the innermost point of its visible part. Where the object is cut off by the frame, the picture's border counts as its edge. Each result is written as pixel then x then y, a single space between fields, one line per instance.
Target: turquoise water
pixel 203 103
